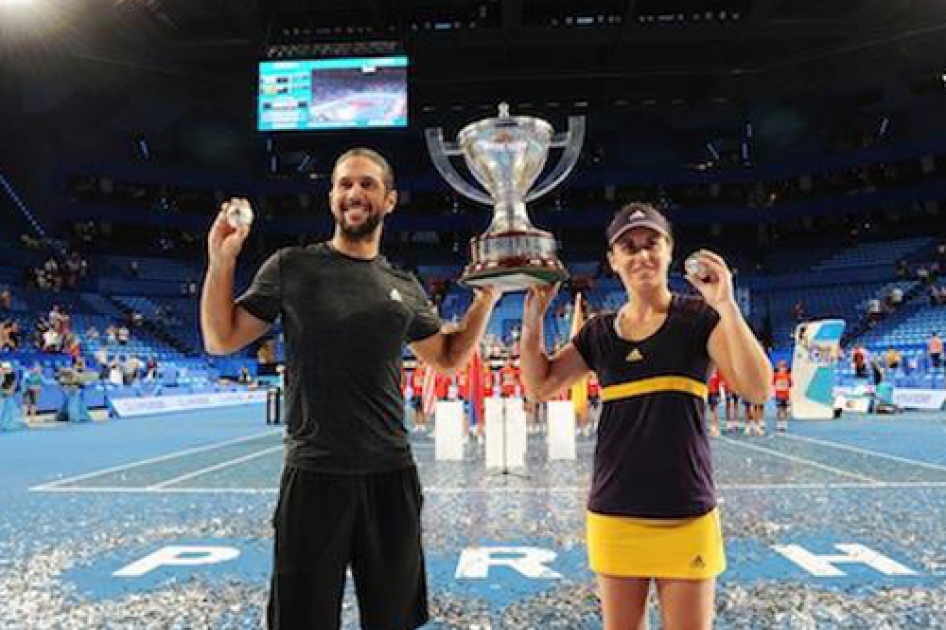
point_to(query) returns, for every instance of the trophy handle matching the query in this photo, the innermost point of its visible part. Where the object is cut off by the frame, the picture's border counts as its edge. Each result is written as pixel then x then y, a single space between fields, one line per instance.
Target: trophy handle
pixel 571 140
pixel 439 153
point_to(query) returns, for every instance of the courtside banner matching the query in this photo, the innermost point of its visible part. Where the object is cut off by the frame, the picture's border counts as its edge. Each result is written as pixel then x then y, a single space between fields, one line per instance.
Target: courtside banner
pixel 817 350
pixel 127 407
pixel 931 399
pixel 903 397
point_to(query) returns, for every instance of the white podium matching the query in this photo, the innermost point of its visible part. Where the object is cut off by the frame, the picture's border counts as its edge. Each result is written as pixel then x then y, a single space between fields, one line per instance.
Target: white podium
pixel 561 430
pixel 505 433
pixel 449 431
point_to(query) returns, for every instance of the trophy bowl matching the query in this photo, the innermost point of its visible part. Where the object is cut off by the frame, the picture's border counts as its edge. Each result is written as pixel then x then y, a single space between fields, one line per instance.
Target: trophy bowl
pixel 506 154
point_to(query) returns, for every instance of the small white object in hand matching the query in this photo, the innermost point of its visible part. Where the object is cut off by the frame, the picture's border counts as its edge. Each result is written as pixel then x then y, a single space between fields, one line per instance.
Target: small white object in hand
pixel 239 213
pixel 696 267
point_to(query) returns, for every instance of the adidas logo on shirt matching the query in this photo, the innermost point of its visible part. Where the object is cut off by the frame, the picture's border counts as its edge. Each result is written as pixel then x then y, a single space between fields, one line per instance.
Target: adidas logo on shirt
pixel 395 295
pixel 698 563
pixel 634 356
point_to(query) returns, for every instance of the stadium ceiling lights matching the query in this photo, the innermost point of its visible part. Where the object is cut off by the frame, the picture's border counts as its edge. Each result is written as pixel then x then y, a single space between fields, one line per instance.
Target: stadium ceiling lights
pixel 578 21
pixel 721 17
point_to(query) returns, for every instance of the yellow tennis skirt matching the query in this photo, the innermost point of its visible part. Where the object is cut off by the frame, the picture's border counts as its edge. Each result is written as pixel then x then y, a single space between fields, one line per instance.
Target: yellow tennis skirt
pixel 678 548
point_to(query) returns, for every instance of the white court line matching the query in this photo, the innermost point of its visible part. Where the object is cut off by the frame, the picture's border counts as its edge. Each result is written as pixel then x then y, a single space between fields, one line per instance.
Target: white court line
pixel 864 451
pixel 434 490
pixel 800 460
pixel 215 467
pixel 152 460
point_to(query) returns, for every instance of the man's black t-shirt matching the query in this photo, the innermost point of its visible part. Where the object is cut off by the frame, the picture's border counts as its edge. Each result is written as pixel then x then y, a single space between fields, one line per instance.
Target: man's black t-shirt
pixel 345 322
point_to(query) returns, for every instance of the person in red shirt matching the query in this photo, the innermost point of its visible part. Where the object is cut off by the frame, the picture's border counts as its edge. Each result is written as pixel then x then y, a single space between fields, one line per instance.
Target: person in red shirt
pixel 782 383
pixel 712 401
pixel 859 358
pixel 594 390
pixel 417 398
pixel 755 413
pixel 509 380
pixel 463 384
pixel 489 390
pixel 732 404
pixel 430 380
pixel 442 386
pixel 489 381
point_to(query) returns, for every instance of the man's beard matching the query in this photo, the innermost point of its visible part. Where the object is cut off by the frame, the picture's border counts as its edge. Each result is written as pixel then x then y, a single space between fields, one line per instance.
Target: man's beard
pixel 364 230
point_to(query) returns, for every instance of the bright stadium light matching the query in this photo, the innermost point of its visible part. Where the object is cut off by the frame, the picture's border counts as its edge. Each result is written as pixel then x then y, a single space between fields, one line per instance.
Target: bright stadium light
pixel 28 18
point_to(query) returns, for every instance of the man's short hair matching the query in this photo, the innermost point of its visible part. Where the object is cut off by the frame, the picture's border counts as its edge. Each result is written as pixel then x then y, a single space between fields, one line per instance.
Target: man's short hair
pixel 387 173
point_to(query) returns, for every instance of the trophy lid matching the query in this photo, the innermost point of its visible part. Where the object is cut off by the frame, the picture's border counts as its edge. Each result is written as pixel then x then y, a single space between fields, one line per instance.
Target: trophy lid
pixel 506 153
pixel 482 128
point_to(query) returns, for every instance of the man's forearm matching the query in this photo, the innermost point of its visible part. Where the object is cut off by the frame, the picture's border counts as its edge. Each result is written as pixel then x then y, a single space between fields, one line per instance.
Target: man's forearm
pixel 216 305
pixel 462 342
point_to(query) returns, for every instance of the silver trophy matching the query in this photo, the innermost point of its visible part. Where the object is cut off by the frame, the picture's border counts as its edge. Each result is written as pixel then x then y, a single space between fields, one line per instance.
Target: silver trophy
pixel 506 154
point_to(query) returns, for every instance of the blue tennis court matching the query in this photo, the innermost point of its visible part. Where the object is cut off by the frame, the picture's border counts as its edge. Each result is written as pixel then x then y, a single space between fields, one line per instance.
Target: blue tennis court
pixel 163 522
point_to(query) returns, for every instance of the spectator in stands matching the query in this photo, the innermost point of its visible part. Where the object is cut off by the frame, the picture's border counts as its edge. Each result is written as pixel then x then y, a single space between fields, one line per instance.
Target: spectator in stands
pixel 115 373
pixel 266 354
pixel 892 358
pixel 71 346
pixel 134 269
pixel 798 311
pixel 51 269
pixel 151 368
pixel 111 335
pixel 101 358
pixel 124 335
pixel 32 388
pixel 9 336
pixel 9 411
pixel 937 295
pixel 131 369
pixel 896 296
pixel 902 269
pixel 782 384
pixel 934 347
pixel 92 334
pixel 244 377
pixel 859 360
pixel 923 274
pixel 877 369
pixel 162 313
pixel 6 301
pixel 873 309
pixel 57 318
pixel 52 341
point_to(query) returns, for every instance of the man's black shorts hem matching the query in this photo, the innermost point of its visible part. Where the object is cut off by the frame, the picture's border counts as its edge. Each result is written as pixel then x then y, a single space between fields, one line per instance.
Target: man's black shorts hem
pixel 327 523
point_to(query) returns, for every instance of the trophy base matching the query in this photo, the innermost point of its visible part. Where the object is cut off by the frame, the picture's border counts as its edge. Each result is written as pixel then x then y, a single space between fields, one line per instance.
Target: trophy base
pixel 513 279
